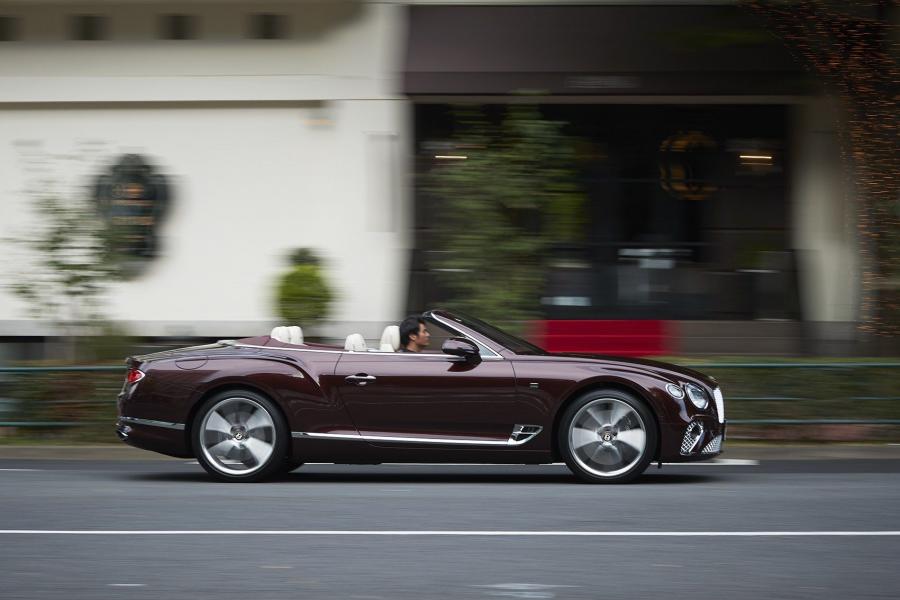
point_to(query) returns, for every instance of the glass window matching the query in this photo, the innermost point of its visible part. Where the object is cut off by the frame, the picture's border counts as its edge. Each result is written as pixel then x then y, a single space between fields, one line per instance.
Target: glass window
pixel 88 28
pixel 178 27
pixel 9 28
pixel 267 26
pixel 507 340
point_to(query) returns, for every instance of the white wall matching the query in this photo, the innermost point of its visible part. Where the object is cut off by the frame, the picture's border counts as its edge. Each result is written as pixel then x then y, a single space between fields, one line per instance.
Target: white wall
pixel 824 216
pixel 269 146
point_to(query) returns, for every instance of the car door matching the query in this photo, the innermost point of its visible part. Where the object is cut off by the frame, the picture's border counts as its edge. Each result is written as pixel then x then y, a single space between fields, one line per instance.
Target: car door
pixel 433 397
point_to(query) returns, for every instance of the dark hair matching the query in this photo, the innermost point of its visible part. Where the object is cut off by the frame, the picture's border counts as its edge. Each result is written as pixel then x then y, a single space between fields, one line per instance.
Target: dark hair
pixel 408 327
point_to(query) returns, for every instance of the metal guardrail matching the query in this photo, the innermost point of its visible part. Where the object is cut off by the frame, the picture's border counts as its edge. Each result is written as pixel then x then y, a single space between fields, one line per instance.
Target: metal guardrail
pixel 696 366
pixel 60 369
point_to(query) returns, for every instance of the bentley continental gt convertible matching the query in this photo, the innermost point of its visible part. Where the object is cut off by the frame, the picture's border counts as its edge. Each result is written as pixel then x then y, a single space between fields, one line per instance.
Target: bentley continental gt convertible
pixel 248 409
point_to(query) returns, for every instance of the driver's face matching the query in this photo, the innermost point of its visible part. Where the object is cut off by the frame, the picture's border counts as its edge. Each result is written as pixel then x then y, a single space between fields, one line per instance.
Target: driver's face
pixel 423 337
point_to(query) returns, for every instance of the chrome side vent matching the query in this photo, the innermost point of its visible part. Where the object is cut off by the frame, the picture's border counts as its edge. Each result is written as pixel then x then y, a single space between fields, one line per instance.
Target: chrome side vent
pixel 523 433
pixel 691 437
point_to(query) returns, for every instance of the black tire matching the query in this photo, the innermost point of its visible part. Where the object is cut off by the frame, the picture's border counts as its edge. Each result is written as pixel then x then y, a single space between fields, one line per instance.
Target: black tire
pixel 235 456
pixel 612 457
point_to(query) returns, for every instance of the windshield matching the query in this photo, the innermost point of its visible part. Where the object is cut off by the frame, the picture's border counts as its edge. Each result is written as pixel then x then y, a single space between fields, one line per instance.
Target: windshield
pixel 507 340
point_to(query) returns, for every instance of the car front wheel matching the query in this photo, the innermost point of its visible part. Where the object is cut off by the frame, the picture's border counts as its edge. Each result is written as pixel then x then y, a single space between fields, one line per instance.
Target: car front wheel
pixel 607 436
pixel 240 435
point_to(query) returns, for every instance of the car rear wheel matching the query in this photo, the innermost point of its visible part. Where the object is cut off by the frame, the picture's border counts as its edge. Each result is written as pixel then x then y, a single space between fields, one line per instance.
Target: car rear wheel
pixel 240 435
pixel 607 436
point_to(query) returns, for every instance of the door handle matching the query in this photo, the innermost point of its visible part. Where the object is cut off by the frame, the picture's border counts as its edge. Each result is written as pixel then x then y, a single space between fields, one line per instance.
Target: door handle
pixel 359 379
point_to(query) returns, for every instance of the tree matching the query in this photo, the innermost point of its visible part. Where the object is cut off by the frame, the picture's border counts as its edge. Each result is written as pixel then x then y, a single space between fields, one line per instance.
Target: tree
pixel 72 263
pixel 852 46
pixel 501 207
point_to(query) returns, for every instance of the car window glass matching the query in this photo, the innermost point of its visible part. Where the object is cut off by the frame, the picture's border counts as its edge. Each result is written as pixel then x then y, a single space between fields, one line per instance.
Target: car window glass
pixel 439 333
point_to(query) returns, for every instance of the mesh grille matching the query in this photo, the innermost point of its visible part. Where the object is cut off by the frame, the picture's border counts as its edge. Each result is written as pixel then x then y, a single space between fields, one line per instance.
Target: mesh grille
pixel 714 447
pixel 691 437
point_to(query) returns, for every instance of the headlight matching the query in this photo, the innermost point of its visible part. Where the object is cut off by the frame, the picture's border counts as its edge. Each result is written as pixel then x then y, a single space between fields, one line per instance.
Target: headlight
pixel 697 395
pixel 675 391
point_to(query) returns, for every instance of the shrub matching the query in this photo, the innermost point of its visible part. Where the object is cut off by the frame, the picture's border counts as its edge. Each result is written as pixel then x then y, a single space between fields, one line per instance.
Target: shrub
pixel 303 295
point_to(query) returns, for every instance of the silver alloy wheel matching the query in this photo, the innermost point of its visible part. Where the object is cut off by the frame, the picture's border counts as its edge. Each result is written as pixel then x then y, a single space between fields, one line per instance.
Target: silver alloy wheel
pixel 607 437
pixel 237 436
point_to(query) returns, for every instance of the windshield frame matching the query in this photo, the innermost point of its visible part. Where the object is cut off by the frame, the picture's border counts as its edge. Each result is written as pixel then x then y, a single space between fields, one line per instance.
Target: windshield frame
pixel 503 339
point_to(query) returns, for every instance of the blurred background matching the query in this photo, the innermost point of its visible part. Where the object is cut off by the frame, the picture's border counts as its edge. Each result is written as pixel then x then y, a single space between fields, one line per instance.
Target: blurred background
pixel 713 183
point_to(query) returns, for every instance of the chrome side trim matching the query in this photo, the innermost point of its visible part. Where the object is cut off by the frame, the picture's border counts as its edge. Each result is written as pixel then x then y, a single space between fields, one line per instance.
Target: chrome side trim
pixel 521 434
pixel 153 423
pixel 404 355
pixel 236 345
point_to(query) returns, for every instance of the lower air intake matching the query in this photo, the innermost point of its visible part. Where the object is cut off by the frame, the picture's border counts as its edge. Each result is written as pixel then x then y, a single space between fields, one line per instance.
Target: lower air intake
pixel 691 437
pixel 714 447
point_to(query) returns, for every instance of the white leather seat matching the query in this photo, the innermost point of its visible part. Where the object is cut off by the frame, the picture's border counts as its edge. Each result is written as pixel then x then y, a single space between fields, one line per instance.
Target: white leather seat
pixel 288 335
pixel 296 334
pixel 390 339
pixel 356 343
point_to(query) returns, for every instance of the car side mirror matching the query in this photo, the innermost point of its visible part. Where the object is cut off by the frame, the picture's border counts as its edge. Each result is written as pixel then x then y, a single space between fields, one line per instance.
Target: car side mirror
pixel 461 347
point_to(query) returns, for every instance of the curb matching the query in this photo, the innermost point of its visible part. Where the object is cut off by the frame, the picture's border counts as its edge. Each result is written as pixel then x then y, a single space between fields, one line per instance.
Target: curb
pixel 778 452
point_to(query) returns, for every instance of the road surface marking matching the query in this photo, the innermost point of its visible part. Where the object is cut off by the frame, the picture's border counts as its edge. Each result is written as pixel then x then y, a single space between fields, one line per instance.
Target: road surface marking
pixel 126 584
pixel 474 533
pixel 716 462
pixel 21 469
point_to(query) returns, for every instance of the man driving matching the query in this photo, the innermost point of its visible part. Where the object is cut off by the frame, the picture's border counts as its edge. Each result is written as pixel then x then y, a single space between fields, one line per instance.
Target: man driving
pixel 414 337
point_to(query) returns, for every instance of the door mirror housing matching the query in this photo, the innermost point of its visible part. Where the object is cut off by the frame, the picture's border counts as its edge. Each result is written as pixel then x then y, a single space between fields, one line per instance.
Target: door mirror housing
pixel 462 348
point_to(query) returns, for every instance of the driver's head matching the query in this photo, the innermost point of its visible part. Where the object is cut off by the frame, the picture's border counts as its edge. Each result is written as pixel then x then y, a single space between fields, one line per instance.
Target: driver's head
pixel 413 334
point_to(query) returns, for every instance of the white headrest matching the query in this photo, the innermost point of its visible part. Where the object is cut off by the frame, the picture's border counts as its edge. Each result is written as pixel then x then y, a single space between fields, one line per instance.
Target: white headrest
pixel 288 335
pixel 281 334
pixel 390 339
pixel 355 343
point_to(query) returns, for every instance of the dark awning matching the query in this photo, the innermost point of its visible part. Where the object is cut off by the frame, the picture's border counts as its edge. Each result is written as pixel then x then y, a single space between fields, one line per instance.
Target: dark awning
pixel 596 50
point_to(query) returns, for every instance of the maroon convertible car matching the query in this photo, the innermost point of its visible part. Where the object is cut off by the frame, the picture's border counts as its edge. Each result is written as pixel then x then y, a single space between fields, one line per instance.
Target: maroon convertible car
pixel 251 408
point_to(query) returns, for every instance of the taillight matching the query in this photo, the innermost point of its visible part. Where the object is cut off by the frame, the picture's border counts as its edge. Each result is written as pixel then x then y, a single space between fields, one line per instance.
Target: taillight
pixel 133 376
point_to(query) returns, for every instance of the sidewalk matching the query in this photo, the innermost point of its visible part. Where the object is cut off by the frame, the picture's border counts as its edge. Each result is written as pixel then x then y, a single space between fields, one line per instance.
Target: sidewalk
pixel 732 450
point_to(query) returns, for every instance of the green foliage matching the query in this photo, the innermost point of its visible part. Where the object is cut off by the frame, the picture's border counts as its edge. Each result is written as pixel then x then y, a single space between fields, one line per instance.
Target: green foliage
pixel 501 209
pixel 73 262
pixel 303 295
pixel 304 256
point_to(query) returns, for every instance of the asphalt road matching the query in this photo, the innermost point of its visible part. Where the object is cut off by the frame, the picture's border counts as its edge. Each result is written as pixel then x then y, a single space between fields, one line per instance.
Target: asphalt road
pixel 439 519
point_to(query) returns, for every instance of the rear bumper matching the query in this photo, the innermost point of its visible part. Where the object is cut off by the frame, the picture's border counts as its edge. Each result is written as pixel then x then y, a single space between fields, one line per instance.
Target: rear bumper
pixel 156 436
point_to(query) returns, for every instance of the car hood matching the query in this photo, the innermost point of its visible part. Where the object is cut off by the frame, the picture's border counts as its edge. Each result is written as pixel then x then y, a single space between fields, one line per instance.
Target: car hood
pixel 664 369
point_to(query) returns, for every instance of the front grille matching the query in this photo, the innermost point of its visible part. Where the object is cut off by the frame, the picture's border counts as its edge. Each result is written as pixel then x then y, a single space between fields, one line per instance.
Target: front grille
pixel 720 404
pixel 714 447
pixel 691 437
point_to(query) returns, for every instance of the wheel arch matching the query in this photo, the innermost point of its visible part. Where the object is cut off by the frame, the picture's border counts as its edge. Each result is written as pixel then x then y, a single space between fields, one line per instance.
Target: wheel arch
pixel 603 384
pixel 224 387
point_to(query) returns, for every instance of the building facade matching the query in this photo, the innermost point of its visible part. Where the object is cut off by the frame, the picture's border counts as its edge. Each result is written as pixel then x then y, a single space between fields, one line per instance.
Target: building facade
pixel 717 197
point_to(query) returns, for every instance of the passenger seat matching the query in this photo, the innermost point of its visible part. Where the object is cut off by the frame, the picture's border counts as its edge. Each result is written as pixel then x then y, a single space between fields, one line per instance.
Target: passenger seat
pixel 288 335
pixel 355 343
pixel 390 339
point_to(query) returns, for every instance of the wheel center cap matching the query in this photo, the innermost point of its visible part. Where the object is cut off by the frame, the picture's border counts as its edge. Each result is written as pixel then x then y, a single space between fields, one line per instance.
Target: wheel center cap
pixel 238 433
pixel 607 436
